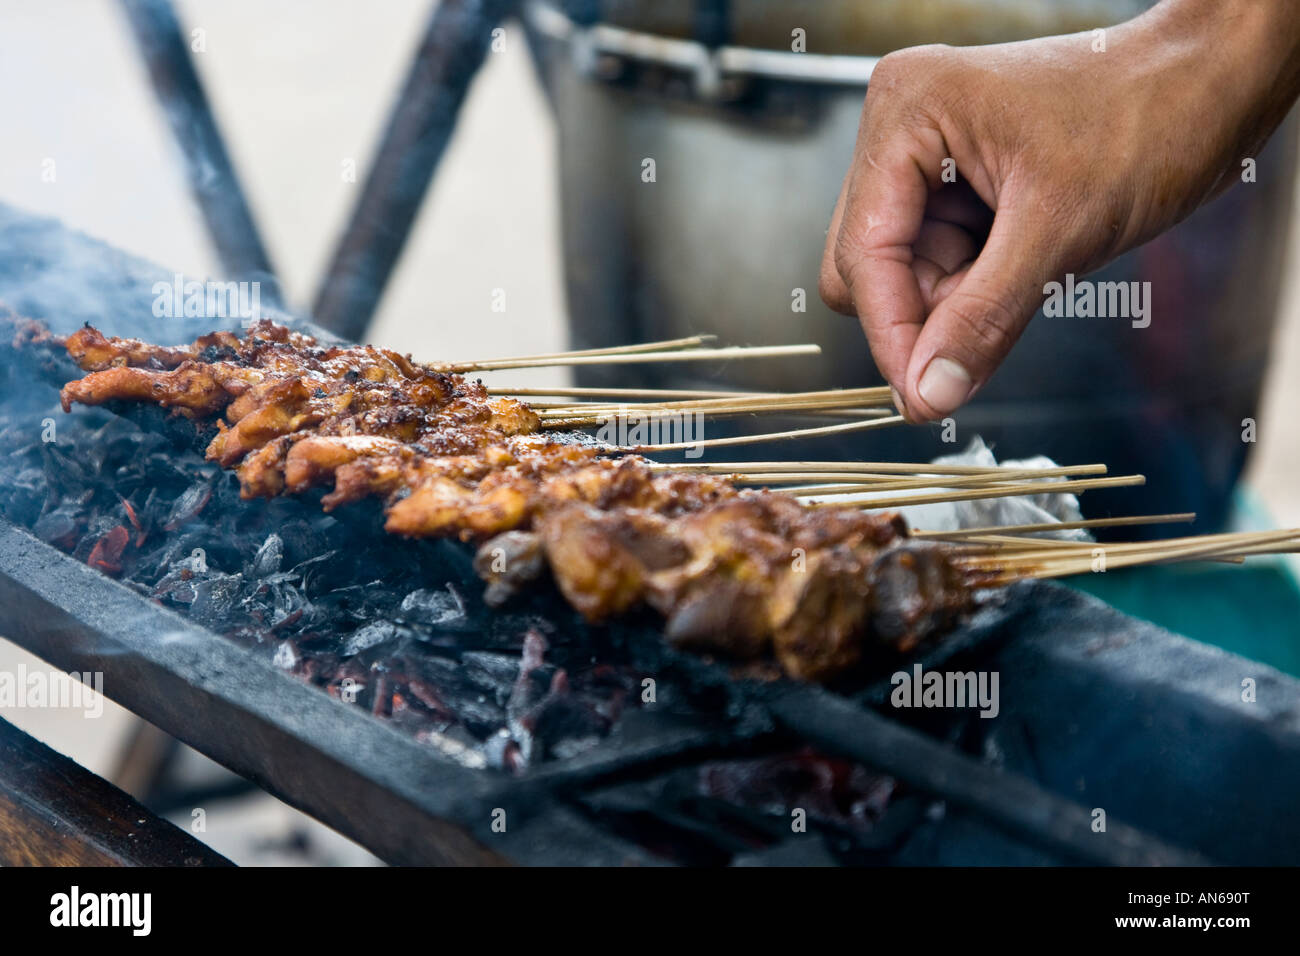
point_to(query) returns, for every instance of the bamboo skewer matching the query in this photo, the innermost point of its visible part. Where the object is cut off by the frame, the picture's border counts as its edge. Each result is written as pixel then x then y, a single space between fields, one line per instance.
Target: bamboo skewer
pixel 1009 549
pixel 842 401
pixel 839 396
pixel 568 421
pixel 964 481
pixel 869 480
pixel 771 436
pixel 1001 544
pixel 1001 552
pixel 997 491
pixel 631 358
pixel 1220 542
pixel 587 391
pixel 665 345
pixel 591 409
pixel 1180 518
pixel 800 467
pixel 580 418
pixel 709 406
pixel 1201 547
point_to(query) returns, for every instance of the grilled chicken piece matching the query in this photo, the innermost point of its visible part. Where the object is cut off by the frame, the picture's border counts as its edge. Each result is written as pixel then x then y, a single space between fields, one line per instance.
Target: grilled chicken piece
pixel 745 573
pixel 193 388
pixel 94 351
pixel 918 592
pixel 275 384
pixel 748 576
pixel 473 507
pixel 508 563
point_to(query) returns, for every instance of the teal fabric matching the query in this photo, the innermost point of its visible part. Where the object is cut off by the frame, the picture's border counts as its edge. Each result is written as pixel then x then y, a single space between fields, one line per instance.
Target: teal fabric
pixel 1251 609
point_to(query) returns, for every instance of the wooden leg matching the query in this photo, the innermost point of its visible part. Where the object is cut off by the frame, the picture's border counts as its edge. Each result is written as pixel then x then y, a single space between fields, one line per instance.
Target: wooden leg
pixel 54 812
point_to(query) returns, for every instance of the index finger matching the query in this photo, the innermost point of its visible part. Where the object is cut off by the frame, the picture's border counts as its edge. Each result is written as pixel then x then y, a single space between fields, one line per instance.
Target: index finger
pixel 883 211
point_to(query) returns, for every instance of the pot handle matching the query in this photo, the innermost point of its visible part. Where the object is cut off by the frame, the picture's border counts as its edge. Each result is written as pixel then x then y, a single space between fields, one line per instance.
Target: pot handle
pixel 713 22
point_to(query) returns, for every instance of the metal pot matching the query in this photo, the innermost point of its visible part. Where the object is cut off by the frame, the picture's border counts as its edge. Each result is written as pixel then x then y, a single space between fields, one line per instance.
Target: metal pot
pixel 750 146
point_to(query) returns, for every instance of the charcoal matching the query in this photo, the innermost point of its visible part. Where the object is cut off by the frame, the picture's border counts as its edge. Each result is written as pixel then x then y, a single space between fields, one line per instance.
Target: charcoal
pixel 832 791
pixel 58 527
pixel 281 603
pixel 505 632
pixel 408 713
pixel 326 597
pixel 180 553
pixel 502 752
pixel 175 588
pixel 495 673
pixel 304 568
pixel 189 505
pixel 62 472
pixel 215 597
pixel 562 721
pixel 432 607
pixel 351 683
pixel 97 527
pixel 372 635
pixel 268 558
pixel 108 552
pixel 32 479
pixel 287 656
pixel 478 713
pixel 436 671
pixel 349 600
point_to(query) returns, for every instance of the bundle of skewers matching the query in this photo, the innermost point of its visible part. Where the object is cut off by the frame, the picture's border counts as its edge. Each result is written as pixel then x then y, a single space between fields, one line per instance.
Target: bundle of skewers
pixel 796 560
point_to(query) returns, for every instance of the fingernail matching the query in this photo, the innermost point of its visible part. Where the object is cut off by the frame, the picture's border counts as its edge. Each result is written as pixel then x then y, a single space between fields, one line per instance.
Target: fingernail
pixel 944 385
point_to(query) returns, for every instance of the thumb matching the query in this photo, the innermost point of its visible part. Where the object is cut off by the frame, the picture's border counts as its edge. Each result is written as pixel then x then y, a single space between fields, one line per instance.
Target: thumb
pixel 969 333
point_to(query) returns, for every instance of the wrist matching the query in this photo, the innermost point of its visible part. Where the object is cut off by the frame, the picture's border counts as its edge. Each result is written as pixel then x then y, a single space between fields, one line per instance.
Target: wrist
pixel 1210 81
pixel 1240 57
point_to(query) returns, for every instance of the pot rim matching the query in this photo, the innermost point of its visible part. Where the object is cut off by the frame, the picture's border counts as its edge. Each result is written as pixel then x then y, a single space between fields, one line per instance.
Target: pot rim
pixel 710 67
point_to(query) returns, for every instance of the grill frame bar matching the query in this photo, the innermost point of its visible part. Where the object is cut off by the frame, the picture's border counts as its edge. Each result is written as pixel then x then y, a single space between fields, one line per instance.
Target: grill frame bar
pixel 369 781
pixel 409 805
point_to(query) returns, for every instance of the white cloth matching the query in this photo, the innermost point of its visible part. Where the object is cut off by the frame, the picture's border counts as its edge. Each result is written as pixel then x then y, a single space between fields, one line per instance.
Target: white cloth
pixel 984 512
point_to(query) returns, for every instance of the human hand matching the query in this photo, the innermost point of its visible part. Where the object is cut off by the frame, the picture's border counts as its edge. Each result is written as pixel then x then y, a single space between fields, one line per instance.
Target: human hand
pixel 1060 155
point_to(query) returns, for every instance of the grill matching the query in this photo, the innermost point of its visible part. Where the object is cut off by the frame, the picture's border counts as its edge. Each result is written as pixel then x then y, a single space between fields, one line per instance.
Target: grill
pixel 362 680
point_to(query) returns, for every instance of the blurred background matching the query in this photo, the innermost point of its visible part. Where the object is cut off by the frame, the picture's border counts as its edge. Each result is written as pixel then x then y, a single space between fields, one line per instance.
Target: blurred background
pixel 523 203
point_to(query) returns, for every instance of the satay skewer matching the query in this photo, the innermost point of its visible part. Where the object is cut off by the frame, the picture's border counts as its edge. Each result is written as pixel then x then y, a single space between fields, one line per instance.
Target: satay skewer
pixel 830 397
pixel 1006 569
pixel 724 353
pixel 587 391
pixel 962 481
pixel 869 480
pixel 665 345
pixel 769 436
pixel 800 467
pixel 568 420
pixel 1013 529
pixel 1009 490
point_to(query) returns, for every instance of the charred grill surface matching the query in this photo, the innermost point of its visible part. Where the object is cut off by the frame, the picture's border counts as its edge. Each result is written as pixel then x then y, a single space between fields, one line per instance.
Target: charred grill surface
pixel 749 574
pixel 1008 792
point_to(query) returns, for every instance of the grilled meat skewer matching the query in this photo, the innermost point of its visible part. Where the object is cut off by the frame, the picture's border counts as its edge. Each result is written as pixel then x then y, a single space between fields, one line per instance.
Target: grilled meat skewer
pixel 748 573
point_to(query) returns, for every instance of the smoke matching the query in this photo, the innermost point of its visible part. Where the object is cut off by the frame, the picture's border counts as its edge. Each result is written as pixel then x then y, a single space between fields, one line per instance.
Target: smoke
pixel 397 628
pixel 66 278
